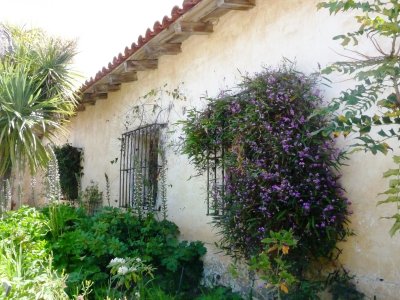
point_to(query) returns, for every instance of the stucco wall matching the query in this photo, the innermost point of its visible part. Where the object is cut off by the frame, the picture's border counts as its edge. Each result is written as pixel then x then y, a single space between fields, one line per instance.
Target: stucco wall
pixel 244 42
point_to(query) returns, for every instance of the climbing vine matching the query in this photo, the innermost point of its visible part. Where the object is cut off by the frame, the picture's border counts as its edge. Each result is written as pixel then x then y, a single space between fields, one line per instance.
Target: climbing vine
pixel 69 163
pixel 280 172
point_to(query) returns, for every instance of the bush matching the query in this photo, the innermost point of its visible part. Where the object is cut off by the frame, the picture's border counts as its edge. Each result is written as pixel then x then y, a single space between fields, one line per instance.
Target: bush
pixel 88 243
pixel 280 168
pixel 218 293
pixel 26 269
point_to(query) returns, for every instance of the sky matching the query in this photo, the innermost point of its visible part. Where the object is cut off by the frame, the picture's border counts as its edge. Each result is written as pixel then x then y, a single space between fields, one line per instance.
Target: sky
pixel 102 28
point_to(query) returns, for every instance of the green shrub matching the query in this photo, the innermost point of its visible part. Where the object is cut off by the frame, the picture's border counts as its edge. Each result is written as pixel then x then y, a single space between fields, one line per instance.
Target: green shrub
pixel 342 288
pixel 88 243
pixel 83 246
pixel 218 293
pixel 155 293
pixel 60 218
pixel 25 228
pixel 26 269
pixel 91 198
pixel 129 277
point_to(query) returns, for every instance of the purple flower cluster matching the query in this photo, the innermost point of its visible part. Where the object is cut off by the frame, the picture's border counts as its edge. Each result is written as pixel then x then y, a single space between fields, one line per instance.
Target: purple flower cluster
pixel 282 178
pixel 279 170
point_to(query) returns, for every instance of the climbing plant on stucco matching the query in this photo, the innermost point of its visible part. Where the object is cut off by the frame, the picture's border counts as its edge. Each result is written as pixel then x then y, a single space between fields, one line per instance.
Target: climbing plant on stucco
pixel 370 110
pixel 281 174
pixel 69 160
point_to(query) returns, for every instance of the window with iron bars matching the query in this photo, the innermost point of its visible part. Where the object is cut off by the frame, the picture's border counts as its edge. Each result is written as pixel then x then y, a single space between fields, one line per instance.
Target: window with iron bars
pixel 140 166
pixel 215 182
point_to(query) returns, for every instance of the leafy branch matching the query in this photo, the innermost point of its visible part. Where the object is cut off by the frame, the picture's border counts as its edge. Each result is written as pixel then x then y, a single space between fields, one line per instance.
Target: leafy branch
pixel 378 77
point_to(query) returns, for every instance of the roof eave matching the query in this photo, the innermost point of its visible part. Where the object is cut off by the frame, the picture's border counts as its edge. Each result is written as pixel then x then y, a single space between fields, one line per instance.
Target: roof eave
pixel 196 17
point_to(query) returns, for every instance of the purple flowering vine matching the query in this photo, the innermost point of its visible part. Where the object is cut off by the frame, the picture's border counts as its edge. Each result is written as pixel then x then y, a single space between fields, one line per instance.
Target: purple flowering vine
pixel 281 172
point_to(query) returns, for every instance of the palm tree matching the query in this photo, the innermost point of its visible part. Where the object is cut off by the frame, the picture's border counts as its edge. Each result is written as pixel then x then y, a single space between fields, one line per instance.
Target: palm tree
pixel 36 97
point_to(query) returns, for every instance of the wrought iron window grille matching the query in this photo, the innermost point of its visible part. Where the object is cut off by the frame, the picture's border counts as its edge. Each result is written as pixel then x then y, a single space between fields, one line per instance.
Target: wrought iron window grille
pixel 216 170
pixel 215 182
pixel 140 167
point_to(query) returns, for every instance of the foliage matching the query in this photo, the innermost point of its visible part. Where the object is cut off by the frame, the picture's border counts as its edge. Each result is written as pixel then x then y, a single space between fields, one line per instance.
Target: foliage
pixel 272 264
pixel 39 281
pixel 307 289
pixel 155 293
pixel 393 193
pixel 60 218
pixel 88 243
pixel 279 168
pixel 36 87
pixel 91 198
pixel 85 247
pixel 279 173
pixel 25 262
pixel 84 290
pixel 377 78
pixel 25 227
pixel 218 293
pixel 69 163
pixel 129 276
pixel 342 288
pixel 154 107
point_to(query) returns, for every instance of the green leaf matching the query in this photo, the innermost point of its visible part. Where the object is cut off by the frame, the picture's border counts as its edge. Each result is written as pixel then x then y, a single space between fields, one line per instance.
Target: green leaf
pixel 396 225
pixel 382 133
pixel 392 191
pixel 341 36
pixel 365 129
pixel 396 159
pixel 394 182
pixel 391 199
pixel 327 70
pixel 391 172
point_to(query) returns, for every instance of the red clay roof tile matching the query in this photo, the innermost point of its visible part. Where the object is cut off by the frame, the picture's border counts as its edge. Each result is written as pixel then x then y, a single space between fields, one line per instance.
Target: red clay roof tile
pixel 150 34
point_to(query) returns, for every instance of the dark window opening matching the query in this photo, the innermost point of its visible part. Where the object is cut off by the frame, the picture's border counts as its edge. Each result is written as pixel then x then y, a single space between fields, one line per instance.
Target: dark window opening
pixel 140 167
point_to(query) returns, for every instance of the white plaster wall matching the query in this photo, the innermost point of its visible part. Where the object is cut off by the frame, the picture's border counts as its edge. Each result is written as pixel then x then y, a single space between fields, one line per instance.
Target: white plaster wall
pixel 243 42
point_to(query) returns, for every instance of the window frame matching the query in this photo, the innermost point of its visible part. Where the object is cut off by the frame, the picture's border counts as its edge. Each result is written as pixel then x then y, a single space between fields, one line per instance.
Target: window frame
pixel 140 166
pixel 216 174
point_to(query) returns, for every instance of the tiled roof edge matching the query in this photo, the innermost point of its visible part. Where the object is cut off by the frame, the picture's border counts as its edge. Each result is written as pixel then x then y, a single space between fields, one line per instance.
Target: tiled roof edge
pixel 141 41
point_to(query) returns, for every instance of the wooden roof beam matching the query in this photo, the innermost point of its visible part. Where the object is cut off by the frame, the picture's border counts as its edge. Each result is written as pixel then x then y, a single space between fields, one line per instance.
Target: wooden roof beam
pixel 140 65
pixel 91 98
pixel 164 49
pixel 114 87
pixel 182 27
pixel 123 77
pixel 103 88
pixel 80 107
pixel 236 4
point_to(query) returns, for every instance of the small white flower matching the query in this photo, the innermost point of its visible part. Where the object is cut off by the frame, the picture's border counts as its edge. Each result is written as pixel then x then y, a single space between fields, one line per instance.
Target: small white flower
pixel 116 261
pixel 122 270
pixel 138 259
pixel 137 295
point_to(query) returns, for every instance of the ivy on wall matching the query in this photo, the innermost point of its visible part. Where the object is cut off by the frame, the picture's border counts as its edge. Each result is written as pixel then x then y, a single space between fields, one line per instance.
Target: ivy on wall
pixel 280 170
pixel 69 163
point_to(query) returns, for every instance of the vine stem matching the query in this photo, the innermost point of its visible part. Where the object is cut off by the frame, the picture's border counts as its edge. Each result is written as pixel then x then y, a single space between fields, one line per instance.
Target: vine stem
pixel 396 89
